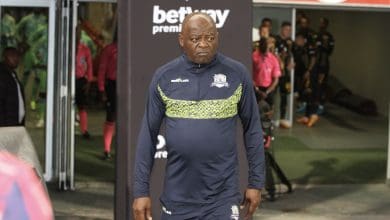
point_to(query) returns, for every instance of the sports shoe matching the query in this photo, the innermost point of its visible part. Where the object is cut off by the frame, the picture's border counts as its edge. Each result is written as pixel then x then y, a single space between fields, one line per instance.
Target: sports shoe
pixel 40 123
pixel 313 119
pixel 320 110
pixel 86 135
pixel 303 120
pixel 284 124
pixel 271 197
pixel 33 105
pixel 107 156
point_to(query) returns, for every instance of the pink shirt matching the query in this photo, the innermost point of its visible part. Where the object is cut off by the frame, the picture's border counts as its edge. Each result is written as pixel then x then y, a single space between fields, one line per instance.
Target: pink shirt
pixel 83 62
pixel 108 64
pixel 265 68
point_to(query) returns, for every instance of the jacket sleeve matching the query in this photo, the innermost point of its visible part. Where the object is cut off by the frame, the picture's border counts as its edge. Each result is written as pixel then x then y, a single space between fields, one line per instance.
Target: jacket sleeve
pixel 147 140
pixel 253 135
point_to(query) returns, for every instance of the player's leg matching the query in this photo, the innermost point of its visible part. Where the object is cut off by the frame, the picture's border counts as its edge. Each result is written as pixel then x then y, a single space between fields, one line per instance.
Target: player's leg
pixel 109 125
pixel 81 100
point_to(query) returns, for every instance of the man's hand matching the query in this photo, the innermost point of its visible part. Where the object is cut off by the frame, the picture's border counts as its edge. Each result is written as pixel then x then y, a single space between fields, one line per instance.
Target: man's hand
pixel 252 199
pixel 142 208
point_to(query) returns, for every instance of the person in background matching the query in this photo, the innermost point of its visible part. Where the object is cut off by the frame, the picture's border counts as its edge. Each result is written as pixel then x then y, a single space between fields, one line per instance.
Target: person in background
pixel 107 89
pixel 283 51
pixel 310 88
pixel 12 103
pixel 39 49
pixel 267 22
pixel 301 59
pixel 263 33
pixel 266 72
pixel 22 195
pixel 303 28
pixel 325 46
pixel 83 79
pixel 31 28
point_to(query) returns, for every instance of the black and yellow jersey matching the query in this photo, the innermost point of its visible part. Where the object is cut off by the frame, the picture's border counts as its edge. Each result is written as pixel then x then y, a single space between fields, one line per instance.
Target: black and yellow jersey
pixel 200 105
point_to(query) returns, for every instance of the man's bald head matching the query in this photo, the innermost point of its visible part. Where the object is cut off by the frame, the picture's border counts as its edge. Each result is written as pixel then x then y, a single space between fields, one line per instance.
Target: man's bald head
pixel 199 37
pixel 198 15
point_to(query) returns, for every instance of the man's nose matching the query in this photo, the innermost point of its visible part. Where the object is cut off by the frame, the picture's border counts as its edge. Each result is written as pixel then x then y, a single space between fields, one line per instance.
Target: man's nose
pixel 203 43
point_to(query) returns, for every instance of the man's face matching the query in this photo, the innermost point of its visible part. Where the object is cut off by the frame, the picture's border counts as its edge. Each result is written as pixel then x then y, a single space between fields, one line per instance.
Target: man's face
pixel 304 23
pixel 286 31
pixel 323 24
pixel 12 59
pixel 264 32
pixel 199 39
pixel 267 24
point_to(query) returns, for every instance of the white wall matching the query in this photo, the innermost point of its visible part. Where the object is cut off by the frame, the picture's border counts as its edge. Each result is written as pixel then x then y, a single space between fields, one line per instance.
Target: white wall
pixel 361 58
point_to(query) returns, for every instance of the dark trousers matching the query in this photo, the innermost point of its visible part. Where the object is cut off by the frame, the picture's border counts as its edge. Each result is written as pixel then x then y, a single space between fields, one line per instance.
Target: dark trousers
pixel 270 96
pixel 324 71
pixel 271 164
pixel 283 80
pixel 312 93
pixel 111 100
pixel 81 95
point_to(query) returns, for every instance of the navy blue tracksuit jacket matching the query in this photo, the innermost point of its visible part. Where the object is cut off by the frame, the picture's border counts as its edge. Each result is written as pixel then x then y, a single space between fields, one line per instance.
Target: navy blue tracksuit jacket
pixel 200 104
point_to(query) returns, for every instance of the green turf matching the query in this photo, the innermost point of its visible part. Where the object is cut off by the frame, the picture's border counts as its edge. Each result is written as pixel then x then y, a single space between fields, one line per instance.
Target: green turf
pixel 89 165
pixel 304 165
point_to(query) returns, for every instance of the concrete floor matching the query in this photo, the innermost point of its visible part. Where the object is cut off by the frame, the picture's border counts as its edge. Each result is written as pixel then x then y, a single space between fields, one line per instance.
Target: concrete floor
pixel 314 202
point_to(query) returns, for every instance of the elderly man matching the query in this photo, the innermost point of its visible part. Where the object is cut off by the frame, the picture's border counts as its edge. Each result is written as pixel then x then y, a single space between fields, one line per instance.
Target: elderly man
pixel 200 94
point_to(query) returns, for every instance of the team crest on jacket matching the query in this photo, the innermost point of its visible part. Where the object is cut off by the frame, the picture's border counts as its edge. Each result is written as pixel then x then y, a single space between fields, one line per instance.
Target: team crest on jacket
pixel 220 81
pixel 235 213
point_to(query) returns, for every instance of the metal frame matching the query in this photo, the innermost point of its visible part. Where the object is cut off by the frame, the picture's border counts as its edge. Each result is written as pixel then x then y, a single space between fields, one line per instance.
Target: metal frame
pixel 99 1
pixel 50 4
pixel 26 3
pixel 73 92
pixel 388 153
pixel 292 72
pixel 319 5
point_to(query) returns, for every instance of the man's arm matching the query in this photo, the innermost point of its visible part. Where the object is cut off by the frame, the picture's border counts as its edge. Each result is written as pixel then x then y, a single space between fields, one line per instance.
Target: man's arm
pixel 146 148
pixel 312 61
pixel 253 139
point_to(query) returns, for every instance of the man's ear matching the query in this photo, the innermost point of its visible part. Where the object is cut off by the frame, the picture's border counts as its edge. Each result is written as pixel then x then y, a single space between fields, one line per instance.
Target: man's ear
pixel 181 40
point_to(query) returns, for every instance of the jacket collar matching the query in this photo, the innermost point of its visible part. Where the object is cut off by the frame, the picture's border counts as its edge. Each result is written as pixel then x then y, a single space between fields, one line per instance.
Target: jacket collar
pixel 198 68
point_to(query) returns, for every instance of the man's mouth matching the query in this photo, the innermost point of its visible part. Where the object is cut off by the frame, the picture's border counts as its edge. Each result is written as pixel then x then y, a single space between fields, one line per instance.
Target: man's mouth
pixel 202 53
